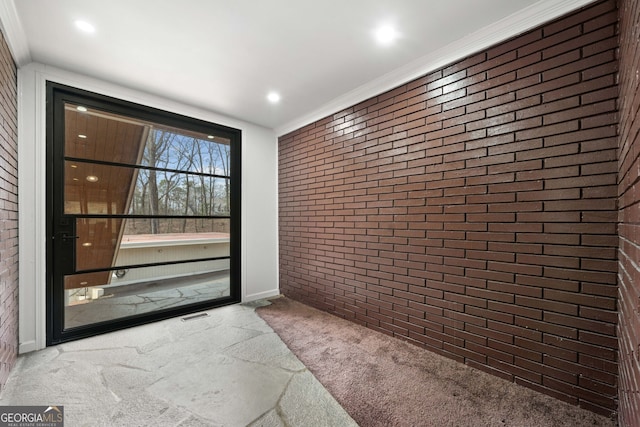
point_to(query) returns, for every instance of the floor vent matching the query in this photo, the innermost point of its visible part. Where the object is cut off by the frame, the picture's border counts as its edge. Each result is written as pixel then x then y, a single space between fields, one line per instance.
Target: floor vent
pixel 195 316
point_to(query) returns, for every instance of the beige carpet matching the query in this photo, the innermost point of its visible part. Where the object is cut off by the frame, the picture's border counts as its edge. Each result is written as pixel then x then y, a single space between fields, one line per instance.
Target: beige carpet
pixel 383 381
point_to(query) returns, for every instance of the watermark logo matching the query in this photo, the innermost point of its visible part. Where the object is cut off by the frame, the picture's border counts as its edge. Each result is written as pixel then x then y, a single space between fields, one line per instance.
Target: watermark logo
pixel 31 416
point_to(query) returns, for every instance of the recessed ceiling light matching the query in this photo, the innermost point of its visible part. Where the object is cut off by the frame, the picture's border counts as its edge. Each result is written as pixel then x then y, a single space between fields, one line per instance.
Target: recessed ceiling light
pixel 81 108
pixel 81 136
pixel 74 166
pixel 85 26
pixel 87 244
pixel 92 178
pixel 273 97
pixel 210 136
pixel 386 34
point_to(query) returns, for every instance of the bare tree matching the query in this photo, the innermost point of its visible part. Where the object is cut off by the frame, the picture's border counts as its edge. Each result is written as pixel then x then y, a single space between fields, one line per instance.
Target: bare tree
pixel 178 179
pixel 223 157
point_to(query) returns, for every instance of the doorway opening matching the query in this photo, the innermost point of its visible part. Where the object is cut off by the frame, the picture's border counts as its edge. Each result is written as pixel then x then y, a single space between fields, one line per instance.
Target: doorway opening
pixel 143 214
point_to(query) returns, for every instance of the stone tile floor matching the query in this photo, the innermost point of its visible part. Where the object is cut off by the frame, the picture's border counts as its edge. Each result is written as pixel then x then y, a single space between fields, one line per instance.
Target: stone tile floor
pixel 226 369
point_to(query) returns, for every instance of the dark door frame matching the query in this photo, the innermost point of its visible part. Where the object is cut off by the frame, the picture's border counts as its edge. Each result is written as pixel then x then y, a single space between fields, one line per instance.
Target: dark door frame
pixel 58 239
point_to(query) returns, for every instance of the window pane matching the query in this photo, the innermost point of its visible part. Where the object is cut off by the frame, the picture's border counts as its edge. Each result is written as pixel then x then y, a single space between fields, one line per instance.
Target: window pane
pixel 176 225
pixel 99 244
pixel 97 189
pixel 153 248
pixel 142 290
pixel 164 193
pixel 99 135
pixel 96 244
pixel 171 149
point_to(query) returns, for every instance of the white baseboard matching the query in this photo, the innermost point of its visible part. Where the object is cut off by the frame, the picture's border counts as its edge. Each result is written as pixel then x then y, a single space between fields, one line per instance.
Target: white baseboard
pixel 27 347
pixel 261 295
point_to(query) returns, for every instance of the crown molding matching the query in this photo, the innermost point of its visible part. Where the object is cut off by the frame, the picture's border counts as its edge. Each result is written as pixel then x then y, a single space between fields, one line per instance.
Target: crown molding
pixel 14 33
pixel 528 18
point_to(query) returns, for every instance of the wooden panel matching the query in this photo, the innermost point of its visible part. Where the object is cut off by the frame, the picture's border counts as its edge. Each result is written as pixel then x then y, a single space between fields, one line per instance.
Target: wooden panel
pixel 98 136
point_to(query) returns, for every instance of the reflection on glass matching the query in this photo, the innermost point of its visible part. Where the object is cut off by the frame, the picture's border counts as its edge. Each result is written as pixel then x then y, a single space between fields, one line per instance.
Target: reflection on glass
pixel 120 293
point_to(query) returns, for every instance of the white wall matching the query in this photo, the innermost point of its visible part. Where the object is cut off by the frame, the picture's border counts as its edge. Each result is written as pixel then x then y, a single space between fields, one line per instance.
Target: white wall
pixel 259 192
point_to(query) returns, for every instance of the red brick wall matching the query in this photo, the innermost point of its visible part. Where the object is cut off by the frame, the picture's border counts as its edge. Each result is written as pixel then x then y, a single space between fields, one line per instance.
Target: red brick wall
pixel 8 213
pixel 629 215
pixel 473 211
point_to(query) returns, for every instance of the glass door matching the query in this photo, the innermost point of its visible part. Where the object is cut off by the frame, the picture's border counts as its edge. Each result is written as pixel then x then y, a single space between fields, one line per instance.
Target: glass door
pixel 143 207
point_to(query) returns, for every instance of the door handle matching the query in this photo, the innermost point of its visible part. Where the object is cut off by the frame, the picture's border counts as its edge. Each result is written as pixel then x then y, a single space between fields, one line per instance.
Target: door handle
pixel 65 236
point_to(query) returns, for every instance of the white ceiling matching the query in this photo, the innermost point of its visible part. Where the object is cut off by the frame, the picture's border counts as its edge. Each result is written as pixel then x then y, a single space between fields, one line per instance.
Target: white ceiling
pixel 226 55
